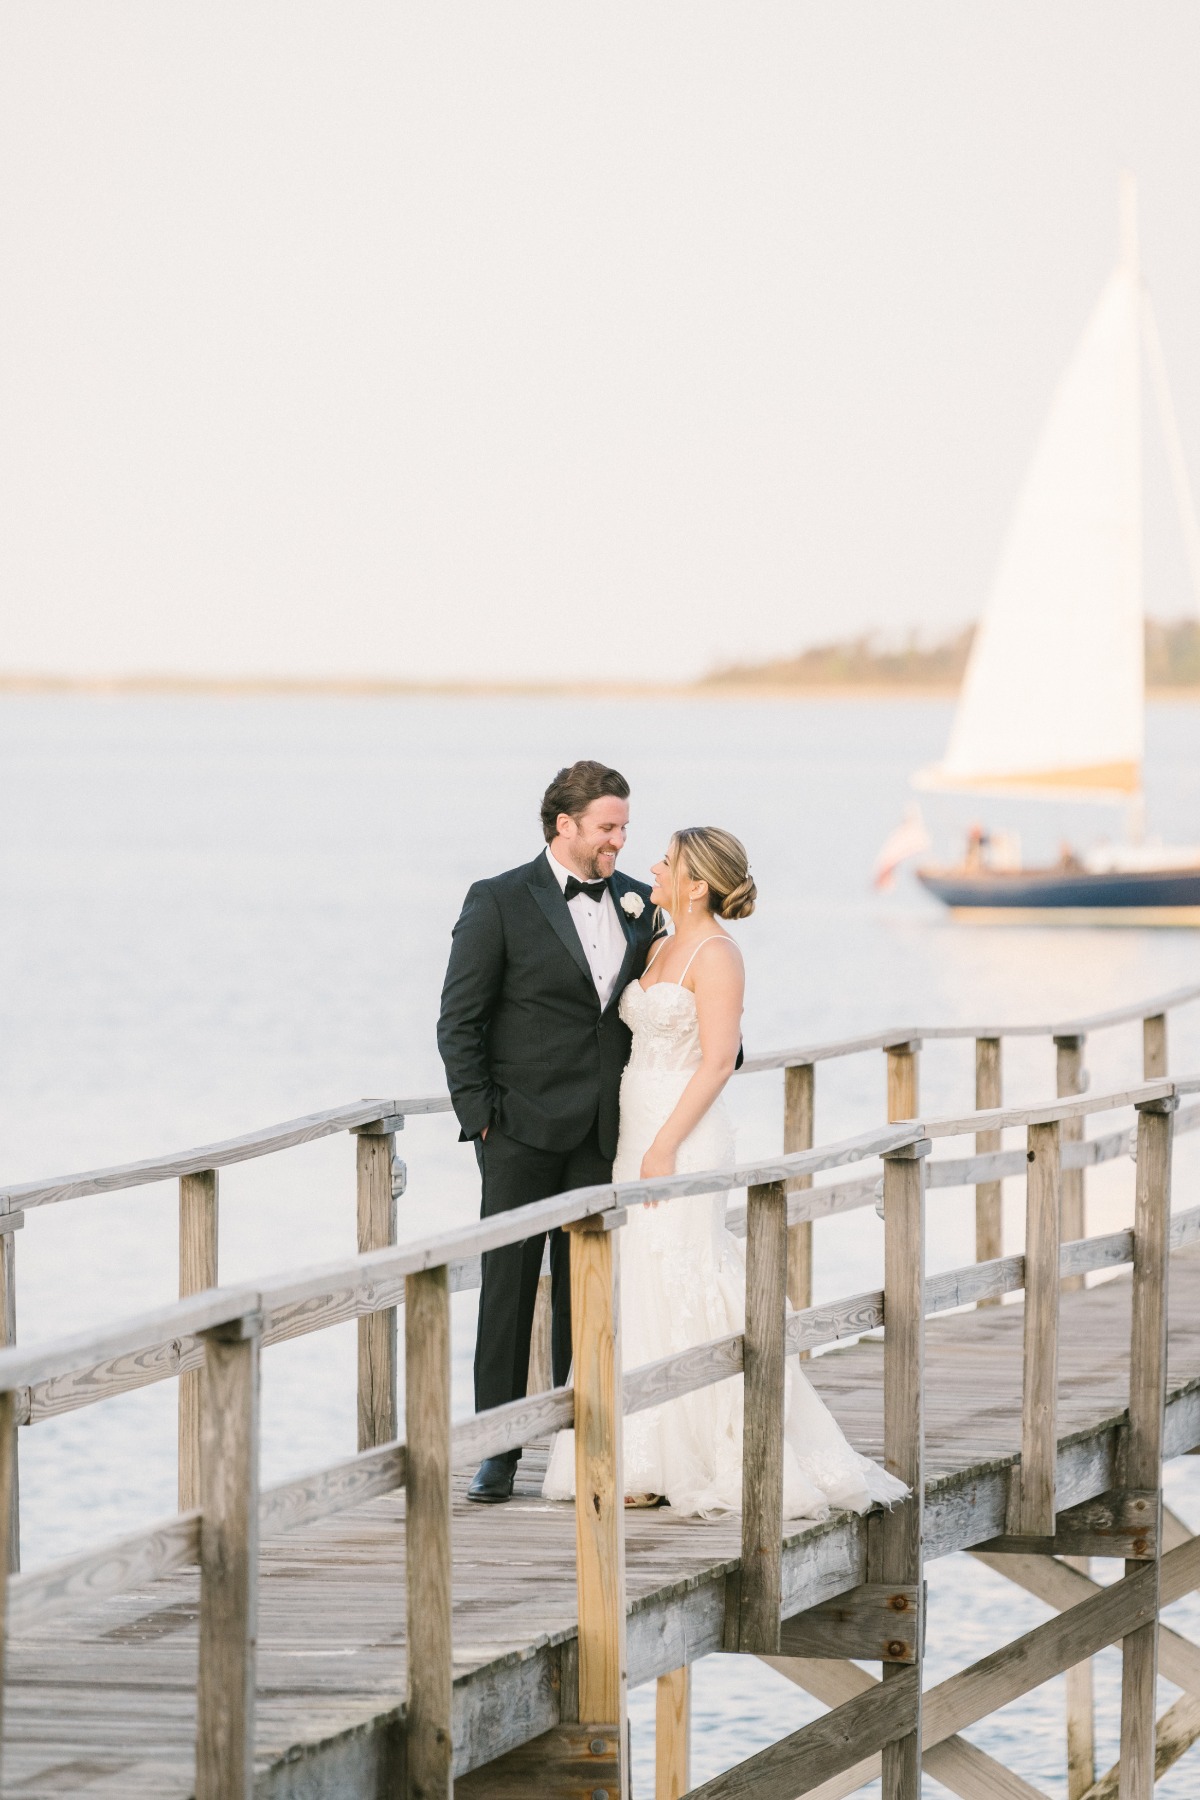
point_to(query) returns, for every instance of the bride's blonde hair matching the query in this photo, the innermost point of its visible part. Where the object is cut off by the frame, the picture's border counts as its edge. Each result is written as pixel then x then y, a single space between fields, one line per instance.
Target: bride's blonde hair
pixel 706 853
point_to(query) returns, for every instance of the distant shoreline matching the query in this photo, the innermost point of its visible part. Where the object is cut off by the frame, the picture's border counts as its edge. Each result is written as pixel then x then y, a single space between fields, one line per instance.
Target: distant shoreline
pixel 381 688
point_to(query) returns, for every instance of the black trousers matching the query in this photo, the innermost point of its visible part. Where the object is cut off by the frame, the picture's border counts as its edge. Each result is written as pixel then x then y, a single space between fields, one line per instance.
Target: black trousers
pixel 513 1174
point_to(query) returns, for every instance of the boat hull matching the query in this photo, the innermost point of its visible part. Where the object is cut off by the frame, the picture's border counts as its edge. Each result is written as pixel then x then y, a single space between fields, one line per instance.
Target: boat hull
pixel 1169 897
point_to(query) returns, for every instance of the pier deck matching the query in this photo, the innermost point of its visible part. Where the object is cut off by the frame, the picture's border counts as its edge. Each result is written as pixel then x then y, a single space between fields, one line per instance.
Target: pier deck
pixel 101 1701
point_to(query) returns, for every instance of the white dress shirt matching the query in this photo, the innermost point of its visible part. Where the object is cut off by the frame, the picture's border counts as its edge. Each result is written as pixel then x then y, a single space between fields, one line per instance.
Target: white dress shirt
pixel 599 929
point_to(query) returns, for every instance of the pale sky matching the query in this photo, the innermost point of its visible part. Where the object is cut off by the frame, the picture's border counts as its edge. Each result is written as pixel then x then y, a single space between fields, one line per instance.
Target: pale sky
pixel 517 339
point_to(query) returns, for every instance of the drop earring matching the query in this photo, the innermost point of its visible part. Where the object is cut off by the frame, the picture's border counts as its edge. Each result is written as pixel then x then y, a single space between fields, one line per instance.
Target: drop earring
pixel 689 906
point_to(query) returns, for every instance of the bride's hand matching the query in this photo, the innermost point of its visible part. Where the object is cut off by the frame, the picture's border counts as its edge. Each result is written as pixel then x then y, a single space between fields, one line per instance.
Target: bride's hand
pixel 657 1161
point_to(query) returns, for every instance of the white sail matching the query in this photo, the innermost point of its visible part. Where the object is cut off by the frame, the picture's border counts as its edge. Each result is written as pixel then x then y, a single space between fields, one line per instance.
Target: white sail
pixel 1052 702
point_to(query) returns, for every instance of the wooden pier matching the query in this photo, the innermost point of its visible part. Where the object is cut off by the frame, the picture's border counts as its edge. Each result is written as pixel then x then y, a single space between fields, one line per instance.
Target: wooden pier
pixel 365 1632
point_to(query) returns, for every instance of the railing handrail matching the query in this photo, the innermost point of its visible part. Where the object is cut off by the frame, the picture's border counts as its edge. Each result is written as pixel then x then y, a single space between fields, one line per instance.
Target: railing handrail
pixel 21 1366
pixel 355 1114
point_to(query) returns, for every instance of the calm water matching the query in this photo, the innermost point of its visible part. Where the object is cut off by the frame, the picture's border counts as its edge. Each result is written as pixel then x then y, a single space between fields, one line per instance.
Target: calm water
pixel 220 913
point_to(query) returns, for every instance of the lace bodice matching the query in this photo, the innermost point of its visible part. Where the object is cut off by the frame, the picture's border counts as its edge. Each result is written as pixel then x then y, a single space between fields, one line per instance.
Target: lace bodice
pixel 666 1031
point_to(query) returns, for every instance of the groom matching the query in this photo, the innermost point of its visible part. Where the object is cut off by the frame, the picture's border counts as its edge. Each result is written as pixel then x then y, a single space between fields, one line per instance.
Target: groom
pixel 534 1048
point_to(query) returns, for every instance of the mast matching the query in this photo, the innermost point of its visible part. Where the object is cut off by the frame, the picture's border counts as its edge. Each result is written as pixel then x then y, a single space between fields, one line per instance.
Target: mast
pixel 1131 550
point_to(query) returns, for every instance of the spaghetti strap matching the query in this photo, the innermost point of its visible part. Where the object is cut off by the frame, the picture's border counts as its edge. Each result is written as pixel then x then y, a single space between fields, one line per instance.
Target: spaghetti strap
pixel 653 957
pixel 718 937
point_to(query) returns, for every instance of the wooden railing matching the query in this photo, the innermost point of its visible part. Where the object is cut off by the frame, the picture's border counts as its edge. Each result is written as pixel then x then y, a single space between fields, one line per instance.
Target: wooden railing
pixel 220 1332
pixel 228 1326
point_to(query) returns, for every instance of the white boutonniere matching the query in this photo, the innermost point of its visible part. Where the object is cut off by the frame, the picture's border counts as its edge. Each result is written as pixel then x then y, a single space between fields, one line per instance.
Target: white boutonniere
pixel 633 905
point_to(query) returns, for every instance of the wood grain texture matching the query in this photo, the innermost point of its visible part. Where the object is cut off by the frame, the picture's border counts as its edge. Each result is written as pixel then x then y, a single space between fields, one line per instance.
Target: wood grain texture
pixel 130 1562
pixel 989 1220
pixel 540 1378
pixel 759 1586
pixel 377 1412
pixel 1036 1498
pixel 900 1530
pixel 799 1084
pixel 1154 1046
pixel 1147 1395
pixel 8 1455
pixel 874 1622
pixel 428 1559
pixel 672 1734
pixel 265 1142
pixel 902 1067
pixel 796 1764
pixel 957 1764
pixel 566 1762
pixel 225 1681
pixel 1070 1078
pixel 599 1483
pixel 10 1510
pixel 198 1264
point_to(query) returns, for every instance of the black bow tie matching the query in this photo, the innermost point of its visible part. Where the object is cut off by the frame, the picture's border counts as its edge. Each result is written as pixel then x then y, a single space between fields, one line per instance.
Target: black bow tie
pixel 595 890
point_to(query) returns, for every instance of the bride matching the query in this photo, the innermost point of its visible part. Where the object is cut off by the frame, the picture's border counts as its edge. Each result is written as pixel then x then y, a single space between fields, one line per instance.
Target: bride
pixel 683 1275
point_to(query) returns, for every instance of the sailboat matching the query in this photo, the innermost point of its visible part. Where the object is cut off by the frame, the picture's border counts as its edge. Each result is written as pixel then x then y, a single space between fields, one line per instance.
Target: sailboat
pixel 1052 705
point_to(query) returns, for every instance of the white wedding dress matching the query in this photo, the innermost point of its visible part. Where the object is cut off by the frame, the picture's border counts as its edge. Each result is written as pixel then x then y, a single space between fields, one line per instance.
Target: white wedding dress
pixel 683 1281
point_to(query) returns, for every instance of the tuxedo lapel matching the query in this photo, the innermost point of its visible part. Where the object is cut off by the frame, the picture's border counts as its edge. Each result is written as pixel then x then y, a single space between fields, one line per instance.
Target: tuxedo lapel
pixel 552 901
pixel 627 927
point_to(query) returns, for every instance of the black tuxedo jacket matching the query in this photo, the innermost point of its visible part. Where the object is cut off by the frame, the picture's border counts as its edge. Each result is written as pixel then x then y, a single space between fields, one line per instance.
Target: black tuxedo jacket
pixel 522 1034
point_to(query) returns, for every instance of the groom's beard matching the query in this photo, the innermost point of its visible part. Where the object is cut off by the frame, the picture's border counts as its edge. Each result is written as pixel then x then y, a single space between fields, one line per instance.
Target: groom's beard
pixel 598 866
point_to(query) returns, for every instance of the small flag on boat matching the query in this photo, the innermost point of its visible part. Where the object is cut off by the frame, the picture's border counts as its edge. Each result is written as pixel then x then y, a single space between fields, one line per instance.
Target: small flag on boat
pixel 909 839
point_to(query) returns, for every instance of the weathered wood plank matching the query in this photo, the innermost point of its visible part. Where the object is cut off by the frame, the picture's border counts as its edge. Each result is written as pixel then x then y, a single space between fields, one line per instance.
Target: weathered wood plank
pixel 900 1531
pixel 1174 1733
pixel 198 1239
pixel 10 1513
pixel 427 1590
pixel 796 1764
pixel 540 1378
pixel 599 1483
pixel 672 1734
pixel 265 1142
pixel 1036 1504
pixel 1154 1046
pixel 228 1564
pixel 902 1080
pixel 565 1763
pixel 874 1622
pixel 957 1764
pixel 989 1221
pixel 798 1114
pixel 8 1457
pixel 1070 1079
pixel 1147 1395
pixel 377 1412
pixel 759 1586
pixel 114 1568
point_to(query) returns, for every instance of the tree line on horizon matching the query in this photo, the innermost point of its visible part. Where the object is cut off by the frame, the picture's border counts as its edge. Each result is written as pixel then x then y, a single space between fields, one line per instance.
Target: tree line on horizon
pixel 1172 661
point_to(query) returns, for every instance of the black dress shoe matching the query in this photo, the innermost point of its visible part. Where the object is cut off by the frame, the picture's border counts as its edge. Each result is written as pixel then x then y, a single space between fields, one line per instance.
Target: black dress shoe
pixel 493 1481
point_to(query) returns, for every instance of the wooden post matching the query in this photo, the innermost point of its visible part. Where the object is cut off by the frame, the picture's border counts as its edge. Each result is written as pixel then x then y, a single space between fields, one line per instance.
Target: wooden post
pixel 760 1586
pixel 798 1085
pixel 902 1083
pixel 228 1562
pixel 10 1504
pixel 377 1422
pixel 1147 1389
pixel 599 1479
pixel 427 1549
pixel 900 1528
pixel 1080 1686
pixel 989 1203
pixel 1036 1505
pixel 1071 1079
pixel 8 1478
pixel 1154 1047
pixel 540 1378
pixel 672 1732
pixel 198 1220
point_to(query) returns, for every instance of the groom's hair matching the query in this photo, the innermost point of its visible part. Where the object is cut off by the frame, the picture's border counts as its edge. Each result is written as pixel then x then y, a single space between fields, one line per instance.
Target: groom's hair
pixel 573 790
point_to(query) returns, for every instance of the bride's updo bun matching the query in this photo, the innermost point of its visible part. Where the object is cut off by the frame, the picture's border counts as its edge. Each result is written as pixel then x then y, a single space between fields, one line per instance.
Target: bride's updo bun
pixel 709 854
